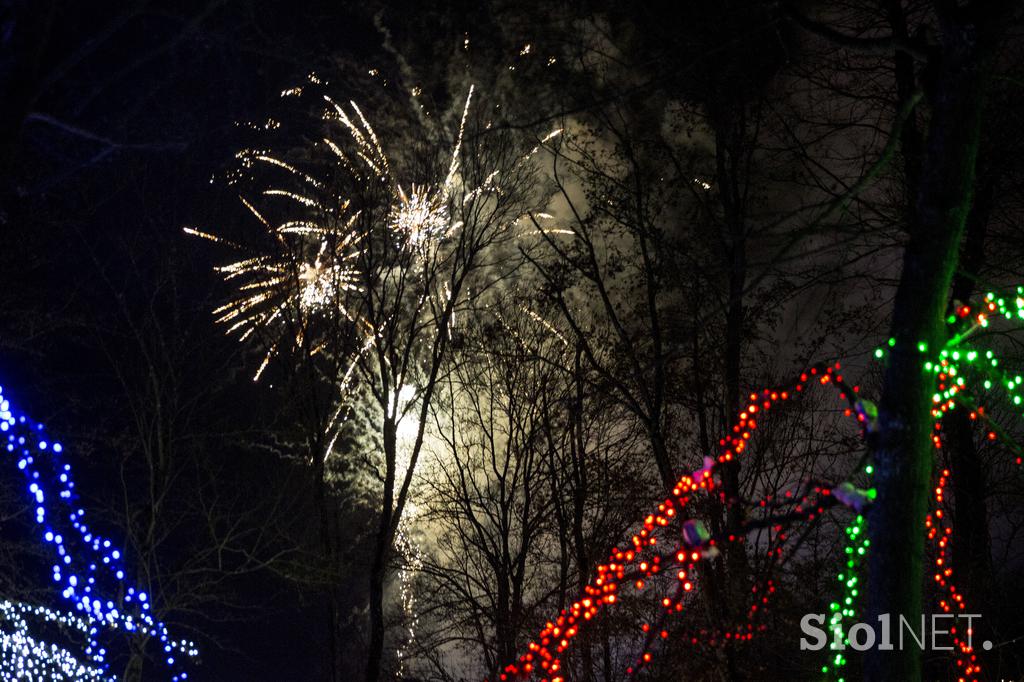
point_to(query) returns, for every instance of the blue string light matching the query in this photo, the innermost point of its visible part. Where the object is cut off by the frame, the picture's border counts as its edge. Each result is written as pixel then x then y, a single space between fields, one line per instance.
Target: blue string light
pixel 88 568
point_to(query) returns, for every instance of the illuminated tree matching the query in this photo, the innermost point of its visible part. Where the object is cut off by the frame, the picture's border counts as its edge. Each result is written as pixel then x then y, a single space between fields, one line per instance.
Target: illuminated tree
pixel 389 242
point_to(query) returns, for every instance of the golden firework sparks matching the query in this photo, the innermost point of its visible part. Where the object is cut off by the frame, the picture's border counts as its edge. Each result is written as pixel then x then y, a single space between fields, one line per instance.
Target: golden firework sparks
pixel 307 266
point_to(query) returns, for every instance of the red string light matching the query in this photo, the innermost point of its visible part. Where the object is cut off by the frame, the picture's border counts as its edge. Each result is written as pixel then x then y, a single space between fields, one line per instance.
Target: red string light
pixel 951 600
pixel 640 561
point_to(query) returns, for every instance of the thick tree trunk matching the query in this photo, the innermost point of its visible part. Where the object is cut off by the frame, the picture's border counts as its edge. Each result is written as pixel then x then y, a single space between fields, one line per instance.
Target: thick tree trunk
pixel 579 508
pixel 906 88
pixel 972 558
pixel 320 498
pixel 730 151
pixel 375 653
pixel 503 644
pixel 382 550
pixel 901 447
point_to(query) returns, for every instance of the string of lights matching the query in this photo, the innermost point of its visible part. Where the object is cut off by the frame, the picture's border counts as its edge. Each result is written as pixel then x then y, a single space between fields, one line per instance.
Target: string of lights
pixel 960 368
pixel 787 506
pixel 24 657
pixel 642 561
pixel 88 570
pixel 808 505
pixel 854 553
pixel 950 598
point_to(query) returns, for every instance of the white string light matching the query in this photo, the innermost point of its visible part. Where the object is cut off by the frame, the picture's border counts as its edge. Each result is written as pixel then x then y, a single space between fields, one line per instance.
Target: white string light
pixel 88 568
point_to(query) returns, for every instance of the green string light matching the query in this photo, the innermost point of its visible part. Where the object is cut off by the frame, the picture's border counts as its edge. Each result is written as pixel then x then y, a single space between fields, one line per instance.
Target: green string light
pixel 958 360
pixel 845 610
pixel 950 366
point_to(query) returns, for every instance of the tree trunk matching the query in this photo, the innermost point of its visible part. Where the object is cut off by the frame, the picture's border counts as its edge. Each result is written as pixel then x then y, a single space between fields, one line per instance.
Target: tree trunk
pixel 382 549
pixel 901 447
pixel 729 151
pixel 136 660
pixel 320 497
pixel 375 652
pixel 972 558
pixel 579 506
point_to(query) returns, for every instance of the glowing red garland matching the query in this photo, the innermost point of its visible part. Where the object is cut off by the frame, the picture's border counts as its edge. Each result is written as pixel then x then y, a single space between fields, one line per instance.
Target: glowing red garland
pixel 941 534
pixel 952 393
pixel 544 654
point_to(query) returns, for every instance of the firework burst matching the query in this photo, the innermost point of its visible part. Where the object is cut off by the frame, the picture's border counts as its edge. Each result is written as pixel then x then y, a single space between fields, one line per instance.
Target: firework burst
pixel 311 268
pixel 309 272
pixel 308 266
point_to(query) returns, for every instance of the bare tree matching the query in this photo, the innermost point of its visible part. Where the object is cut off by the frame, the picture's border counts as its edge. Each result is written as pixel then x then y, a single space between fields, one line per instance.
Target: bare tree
pixel 488 493
pixel 178 490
